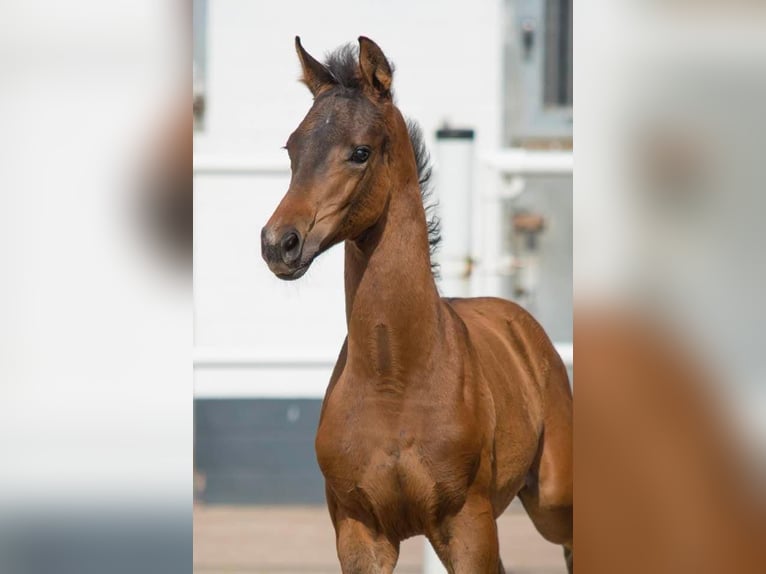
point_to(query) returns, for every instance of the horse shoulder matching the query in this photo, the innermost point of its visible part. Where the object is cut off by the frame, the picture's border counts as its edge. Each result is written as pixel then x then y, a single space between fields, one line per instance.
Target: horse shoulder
pixel 513 357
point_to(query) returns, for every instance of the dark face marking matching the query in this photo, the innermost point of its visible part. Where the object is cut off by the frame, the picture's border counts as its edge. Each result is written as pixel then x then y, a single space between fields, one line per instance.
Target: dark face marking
pixel 338 123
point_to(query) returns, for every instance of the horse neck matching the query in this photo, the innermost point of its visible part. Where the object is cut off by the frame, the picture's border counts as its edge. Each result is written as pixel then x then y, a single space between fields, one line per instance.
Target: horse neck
pixel 392 304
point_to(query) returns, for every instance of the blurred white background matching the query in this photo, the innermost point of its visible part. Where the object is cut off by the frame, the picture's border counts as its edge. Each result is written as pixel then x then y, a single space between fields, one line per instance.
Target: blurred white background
pixel 94 326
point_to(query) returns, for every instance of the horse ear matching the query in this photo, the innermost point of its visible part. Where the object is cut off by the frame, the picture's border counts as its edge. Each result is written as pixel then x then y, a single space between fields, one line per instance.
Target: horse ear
pixel 315 75
pixel 374 67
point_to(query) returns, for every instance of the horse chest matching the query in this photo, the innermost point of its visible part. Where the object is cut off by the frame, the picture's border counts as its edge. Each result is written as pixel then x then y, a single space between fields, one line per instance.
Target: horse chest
pixel 375 462
pixel 360 454
pixel 378 475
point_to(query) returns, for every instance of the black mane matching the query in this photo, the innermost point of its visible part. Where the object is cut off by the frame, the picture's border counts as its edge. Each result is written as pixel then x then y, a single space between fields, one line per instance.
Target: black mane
pixel 343 65
pixel 423 161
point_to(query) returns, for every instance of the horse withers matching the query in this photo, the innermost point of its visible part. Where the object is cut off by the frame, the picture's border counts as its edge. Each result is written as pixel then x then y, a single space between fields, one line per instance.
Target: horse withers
pixel 439 411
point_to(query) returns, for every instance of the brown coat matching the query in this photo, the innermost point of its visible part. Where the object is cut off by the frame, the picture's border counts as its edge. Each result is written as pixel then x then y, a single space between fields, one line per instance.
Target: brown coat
pixel 439 411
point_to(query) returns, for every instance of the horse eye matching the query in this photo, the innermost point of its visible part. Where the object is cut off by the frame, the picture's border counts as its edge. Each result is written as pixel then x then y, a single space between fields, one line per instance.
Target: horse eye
pixel 360 155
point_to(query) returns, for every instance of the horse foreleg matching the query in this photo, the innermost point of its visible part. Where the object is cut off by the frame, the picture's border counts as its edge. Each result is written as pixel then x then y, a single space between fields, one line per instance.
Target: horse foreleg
pixel 361 550
pixel 467 542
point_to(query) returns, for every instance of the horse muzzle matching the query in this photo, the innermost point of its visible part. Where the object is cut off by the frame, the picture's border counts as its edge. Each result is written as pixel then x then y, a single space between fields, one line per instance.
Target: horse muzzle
pixel 283 252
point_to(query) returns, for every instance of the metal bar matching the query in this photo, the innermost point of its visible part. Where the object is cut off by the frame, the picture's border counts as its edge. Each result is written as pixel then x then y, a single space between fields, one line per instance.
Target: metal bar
pixel 516 161
pixel 230 164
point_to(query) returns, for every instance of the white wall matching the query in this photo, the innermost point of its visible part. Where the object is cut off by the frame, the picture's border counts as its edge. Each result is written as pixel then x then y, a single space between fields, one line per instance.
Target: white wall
pixel 447 56
pixel 248 324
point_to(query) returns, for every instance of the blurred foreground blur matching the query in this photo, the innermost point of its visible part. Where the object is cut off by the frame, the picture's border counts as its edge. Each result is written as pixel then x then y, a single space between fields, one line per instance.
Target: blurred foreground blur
pixel 95 306
pixel 669 274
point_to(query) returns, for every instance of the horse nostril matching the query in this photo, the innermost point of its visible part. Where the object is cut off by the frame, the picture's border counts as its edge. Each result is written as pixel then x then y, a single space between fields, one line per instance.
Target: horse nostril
pixel 290 243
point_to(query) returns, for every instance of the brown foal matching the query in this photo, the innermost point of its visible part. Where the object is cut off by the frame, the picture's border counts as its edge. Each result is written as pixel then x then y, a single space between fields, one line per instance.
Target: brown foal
pixel 439 411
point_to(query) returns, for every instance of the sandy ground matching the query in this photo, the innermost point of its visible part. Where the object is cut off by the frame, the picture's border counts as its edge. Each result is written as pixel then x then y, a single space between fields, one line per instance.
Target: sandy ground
pixel 300 539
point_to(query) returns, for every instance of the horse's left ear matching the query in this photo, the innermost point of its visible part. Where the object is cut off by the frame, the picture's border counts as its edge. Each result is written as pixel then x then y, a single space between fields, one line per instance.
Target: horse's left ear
pixel 374 67
pixel 315 75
